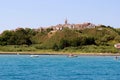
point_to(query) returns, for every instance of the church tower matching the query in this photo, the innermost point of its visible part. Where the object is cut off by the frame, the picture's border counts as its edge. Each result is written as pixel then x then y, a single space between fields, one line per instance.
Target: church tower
pixel 66 21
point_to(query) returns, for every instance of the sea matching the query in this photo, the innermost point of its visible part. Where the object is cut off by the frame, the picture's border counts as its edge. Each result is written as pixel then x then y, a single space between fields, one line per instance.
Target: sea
pixel 59 67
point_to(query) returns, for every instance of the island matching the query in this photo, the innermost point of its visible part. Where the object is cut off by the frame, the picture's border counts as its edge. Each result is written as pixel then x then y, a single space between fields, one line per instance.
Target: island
pixel 82 38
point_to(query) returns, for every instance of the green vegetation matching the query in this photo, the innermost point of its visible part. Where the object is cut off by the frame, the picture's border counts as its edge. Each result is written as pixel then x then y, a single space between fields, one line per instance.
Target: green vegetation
pixel 99 40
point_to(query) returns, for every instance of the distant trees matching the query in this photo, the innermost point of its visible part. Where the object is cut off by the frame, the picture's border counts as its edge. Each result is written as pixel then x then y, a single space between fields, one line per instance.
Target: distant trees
pixel 6 37
pixel 75 42
pixel 72 38
pixel 55 47
pixel 60 39
pixel 64 43
pixel 18 37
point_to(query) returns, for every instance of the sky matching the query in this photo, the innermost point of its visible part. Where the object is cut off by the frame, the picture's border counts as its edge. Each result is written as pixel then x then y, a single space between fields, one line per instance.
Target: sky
pixel 44 13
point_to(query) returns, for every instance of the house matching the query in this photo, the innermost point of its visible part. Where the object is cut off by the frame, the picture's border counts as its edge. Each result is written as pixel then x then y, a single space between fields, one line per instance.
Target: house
pixel 73 26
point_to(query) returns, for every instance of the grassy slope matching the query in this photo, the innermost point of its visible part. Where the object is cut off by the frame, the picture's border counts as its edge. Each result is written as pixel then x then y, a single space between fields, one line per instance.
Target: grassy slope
pixel 99 33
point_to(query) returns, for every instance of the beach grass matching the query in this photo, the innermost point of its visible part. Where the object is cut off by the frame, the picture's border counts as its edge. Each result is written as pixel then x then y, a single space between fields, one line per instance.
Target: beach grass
pixel 89 49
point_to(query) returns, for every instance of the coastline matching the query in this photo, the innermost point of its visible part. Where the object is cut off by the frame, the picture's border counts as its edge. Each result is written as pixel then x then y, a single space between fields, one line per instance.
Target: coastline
pixel 59 53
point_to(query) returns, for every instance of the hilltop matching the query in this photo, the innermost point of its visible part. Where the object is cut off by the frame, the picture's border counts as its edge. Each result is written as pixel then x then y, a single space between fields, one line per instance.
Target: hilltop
pixel 85 37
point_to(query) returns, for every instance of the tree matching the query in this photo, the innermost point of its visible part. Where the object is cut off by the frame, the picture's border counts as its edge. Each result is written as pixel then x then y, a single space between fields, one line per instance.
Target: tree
pixel 75 42
pixel 55 47
pixel 23 36
pixel 63 43
pixel 6 37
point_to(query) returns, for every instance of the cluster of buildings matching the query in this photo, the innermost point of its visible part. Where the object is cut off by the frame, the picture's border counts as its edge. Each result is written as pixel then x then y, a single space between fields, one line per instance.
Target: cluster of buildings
pixel 73 26
pixel 70 26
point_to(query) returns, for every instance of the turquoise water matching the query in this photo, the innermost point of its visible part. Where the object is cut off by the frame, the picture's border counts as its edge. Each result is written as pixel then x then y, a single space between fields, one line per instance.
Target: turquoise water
pixel 45 67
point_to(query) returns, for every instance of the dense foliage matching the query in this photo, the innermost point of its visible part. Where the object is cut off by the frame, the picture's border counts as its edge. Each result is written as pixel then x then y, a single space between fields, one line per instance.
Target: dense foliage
pixel 62 39
pixel 18 37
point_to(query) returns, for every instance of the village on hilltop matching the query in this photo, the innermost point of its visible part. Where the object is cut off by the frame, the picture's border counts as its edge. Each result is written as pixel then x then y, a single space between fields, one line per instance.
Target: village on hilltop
pixel 71 26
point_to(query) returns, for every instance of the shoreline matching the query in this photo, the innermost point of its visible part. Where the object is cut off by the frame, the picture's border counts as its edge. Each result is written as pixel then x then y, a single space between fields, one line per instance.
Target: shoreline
pixel 59 53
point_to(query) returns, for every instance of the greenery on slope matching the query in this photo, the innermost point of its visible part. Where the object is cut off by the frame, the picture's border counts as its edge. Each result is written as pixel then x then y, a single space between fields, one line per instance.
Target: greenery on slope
pixel 99 39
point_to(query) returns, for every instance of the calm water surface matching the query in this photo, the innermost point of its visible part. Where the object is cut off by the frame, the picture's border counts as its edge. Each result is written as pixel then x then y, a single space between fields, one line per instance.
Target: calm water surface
pixel 45 67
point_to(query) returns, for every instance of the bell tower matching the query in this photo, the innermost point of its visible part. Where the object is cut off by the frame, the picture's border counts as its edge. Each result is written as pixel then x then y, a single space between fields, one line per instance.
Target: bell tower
pixel 66 21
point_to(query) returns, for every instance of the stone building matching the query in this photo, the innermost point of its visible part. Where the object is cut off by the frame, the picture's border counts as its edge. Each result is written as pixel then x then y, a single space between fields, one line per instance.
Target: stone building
pixel 73 26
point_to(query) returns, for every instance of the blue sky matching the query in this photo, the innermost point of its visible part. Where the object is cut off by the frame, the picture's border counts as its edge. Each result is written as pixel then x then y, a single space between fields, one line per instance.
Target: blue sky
pixel 37 13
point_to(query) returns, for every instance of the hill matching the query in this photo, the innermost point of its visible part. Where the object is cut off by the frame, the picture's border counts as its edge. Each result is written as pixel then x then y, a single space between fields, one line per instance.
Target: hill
pixel 67 38
pixel 90 39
